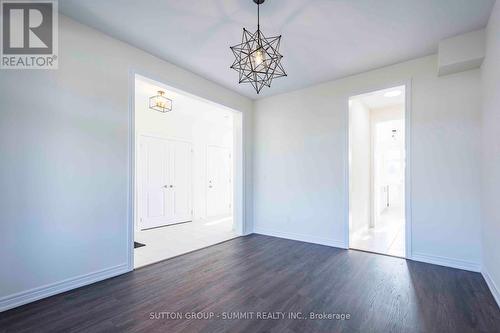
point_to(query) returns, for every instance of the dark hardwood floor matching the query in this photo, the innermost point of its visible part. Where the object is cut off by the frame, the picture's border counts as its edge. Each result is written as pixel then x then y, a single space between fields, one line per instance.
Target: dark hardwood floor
pixel 263 274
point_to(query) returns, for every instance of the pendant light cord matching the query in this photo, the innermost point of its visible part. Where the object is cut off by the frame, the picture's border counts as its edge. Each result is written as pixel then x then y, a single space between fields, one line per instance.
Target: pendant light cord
pixel 258 16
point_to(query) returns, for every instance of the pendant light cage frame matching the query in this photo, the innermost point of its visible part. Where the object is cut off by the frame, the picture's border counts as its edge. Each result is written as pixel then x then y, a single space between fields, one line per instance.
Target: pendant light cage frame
pixel 257 58
pixel 160 103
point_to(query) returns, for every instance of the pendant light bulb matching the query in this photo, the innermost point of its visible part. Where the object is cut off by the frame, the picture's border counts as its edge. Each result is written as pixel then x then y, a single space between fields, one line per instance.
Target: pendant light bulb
pixel 259 58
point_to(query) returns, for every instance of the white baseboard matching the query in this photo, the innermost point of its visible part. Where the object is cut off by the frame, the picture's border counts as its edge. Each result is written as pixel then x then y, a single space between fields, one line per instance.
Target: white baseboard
pixel 247 233
pixel 495 291
pixel 448 262
pixel 300 237
pixel 35 294
pixel 430 259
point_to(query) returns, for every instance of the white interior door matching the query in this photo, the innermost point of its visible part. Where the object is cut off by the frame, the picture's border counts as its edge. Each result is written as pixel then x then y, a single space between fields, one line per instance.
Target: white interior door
pixel 219 181
pixel 181 172
pixel 164 195
pixel 154 195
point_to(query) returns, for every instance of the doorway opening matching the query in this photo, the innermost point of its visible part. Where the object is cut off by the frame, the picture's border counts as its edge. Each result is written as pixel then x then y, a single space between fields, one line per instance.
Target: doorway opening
pixel 377 171
pixel 188 173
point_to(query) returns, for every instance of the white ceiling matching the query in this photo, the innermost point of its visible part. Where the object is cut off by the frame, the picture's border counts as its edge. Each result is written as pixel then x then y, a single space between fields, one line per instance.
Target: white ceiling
pixel 379 100
pixel 322 39
pixel 187 105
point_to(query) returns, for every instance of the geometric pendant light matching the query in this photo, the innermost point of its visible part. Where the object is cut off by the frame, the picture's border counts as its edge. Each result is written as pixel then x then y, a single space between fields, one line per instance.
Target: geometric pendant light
pixel 257 58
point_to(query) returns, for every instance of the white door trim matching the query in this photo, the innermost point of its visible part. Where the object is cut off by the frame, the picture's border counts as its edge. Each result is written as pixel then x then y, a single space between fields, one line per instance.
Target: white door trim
pixel 408 162
pixel 239 162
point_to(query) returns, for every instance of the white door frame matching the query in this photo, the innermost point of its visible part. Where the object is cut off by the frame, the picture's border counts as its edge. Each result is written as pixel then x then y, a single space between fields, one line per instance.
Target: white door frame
pixel 408 144
pixel 238 159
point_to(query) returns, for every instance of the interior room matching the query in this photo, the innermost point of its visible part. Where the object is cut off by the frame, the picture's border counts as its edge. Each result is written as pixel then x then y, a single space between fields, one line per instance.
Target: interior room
pixel 184 171
pixel 250 166
pixel 377 150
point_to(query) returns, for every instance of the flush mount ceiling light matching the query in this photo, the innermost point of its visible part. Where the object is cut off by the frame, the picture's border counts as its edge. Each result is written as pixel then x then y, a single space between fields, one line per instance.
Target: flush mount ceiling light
pixel 160 102
pixel 392 93
pixel 258 61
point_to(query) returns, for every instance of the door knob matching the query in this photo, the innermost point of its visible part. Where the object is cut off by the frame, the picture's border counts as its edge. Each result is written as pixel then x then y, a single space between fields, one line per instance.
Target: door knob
pixel 171 186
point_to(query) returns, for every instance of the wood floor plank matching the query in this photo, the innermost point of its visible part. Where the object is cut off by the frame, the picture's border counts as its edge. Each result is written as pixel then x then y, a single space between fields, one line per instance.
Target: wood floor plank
pixel 261 274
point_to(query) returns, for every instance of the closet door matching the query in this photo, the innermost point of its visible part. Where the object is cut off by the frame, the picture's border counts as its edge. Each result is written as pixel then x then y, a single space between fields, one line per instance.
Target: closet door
pixel 181 171
pixel 164 169
pixel 155 200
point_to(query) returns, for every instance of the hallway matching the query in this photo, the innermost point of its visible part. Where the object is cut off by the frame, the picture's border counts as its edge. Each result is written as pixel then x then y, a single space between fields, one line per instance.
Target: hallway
pixel 173 240
pixel 388 237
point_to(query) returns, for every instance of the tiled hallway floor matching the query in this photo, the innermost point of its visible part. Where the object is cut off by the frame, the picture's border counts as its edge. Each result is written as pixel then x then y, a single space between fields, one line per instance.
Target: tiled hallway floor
pixel 170 241
pixel 387 237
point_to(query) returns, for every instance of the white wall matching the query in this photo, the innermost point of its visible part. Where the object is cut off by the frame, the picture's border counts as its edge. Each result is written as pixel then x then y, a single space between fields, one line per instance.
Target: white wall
pixel 491 154
pixel 360 162
pixel 191 120
pixel 300 158
pixel 64 137
pixel 395 112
